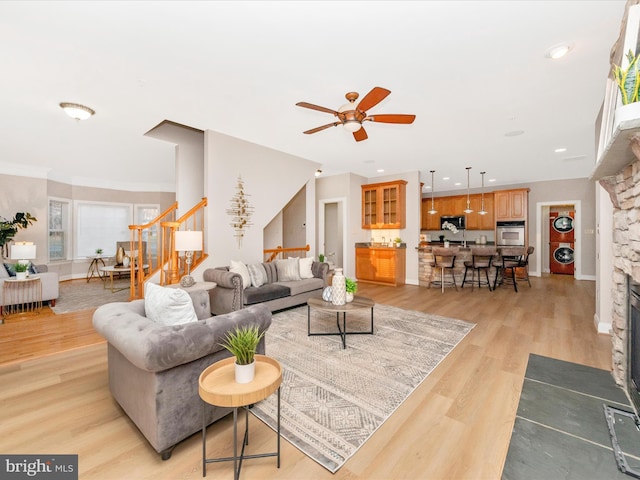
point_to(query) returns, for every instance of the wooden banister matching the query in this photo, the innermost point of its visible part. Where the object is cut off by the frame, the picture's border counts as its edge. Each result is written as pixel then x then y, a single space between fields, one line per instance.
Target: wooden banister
pixel 271 254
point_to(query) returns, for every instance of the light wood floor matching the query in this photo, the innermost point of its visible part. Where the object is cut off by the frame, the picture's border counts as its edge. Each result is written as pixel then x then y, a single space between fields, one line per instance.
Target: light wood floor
pixel 456 425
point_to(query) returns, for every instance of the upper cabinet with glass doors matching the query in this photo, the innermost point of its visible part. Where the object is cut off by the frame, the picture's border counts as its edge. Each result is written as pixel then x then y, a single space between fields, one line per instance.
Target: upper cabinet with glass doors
pixel 383 205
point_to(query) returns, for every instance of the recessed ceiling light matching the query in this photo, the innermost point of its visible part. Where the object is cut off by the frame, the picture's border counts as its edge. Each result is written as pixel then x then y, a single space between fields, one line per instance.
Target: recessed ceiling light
pixel 457 183
pixel 492 179
pixel 514 133
pixel 380 170
pixel 558 51
pixel 560 150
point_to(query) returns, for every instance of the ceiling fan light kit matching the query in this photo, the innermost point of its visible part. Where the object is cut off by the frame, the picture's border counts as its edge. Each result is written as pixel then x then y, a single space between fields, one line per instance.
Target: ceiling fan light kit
pixel 351 116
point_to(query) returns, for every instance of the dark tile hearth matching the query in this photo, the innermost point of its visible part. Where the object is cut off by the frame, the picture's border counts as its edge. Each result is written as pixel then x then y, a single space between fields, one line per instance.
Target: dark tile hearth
pixel 560 429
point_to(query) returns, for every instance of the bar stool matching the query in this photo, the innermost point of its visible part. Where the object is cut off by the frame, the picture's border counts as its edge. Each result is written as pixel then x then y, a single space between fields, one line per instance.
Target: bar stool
pixel 481 258
pixel 510 258
pixel 524 266
pixel 444 260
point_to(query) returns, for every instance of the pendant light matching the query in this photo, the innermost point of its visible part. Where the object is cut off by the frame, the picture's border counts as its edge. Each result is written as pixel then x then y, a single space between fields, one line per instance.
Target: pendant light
pixel 482 210
pixel 433 210
pixel 468 209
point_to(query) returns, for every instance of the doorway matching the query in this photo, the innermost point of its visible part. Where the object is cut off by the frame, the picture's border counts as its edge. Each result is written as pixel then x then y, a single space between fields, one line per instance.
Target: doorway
pixel 543 238
pixel 332 231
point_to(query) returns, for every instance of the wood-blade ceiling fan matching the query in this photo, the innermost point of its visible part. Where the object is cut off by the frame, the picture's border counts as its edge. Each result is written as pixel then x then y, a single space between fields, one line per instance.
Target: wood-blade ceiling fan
pixel 351 116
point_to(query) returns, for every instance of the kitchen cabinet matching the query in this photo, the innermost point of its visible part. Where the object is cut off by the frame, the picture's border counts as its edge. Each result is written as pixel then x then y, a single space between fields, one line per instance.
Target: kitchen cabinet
pixel 511 204
pixel 475 221
pixel 384 265
pixel 455 205
pixel 383 205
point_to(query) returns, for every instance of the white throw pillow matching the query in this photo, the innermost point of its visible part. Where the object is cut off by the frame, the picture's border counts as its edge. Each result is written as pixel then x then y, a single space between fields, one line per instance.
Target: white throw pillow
pixel 258 274
pixel 168 306
pixel 288 270
pixel 305 267
pixel 240 268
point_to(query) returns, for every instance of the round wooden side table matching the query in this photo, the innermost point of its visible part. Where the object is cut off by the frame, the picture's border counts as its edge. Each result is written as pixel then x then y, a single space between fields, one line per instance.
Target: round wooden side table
pixel 217 386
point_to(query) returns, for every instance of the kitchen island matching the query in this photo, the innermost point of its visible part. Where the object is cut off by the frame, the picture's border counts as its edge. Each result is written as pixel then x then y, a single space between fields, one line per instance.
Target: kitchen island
pixel 425 258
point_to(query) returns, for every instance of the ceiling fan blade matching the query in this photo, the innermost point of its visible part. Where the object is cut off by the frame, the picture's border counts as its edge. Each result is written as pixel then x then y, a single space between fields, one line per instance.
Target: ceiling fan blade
pixel 360 135
pixel 391 118
pixel 374 97
pixel 317 129
pixel 316 107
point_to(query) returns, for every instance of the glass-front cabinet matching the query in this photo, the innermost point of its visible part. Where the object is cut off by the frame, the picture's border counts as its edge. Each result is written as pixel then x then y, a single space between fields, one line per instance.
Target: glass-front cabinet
pixel 383 205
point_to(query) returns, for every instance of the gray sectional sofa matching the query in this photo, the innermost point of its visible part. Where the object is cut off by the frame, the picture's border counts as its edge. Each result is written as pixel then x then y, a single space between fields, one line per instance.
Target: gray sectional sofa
pixel 154 369
pixel 232 293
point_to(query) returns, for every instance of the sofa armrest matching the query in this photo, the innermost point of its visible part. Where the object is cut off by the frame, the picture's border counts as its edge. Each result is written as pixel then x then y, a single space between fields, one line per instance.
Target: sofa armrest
pixel 320 270
pixel 228 295
pixel 155 348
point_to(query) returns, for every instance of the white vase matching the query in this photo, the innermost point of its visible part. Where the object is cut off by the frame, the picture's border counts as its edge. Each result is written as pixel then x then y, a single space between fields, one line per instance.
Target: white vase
pixel 338 288
pixel 349 297
pixel 245 373
pixel 446 244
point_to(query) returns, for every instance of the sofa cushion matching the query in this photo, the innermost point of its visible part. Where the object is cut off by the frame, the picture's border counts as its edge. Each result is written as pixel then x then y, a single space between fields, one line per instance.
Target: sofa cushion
pixel 32 269
pixel 288 270
pixel 3 271
pixel 303 286
pixel 272 272
pixel 240 268
pixel 271 291
pixel 168 306
pixel 258 275
pixel 10 269
pixel 305 267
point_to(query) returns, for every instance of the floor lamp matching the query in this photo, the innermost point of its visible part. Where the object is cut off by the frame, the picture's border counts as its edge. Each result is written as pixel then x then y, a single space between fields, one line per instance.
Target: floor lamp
pixel 188 242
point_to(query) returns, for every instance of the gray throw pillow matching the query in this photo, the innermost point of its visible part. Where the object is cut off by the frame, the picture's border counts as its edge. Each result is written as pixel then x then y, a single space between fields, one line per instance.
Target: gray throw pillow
pixel 258 274
pixel 3 271
pixel 288 270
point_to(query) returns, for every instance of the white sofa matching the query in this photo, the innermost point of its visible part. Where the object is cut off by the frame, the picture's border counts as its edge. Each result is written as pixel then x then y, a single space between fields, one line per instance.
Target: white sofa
pixel 50 284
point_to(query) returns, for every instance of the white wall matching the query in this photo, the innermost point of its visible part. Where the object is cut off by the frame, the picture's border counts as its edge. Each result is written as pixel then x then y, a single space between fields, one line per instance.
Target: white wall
pixel 271 178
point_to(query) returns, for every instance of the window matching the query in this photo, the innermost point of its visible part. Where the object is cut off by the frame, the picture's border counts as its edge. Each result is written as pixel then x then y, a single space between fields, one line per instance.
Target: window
pixel 101 225
pixel 59 227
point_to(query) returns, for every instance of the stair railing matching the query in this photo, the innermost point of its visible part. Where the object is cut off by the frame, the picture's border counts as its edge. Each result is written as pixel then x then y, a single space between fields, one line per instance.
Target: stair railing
pixel 271 254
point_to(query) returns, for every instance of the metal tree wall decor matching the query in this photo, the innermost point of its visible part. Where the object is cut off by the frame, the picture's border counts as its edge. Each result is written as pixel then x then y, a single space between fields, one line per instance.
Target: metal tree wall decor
pixel 240 211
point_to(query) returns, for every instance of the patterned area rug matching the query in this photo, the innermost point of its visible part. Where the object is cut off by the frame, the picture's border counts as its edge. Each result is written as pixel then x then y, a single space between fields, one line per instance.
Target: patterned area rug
pixel 82 295
pixel 333 400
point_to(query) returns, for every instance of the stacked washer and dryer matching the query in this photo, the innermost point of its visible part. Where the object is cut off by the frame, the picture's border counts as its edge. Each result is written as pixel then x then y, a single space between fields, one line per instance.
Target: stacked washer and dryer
pixel 561 242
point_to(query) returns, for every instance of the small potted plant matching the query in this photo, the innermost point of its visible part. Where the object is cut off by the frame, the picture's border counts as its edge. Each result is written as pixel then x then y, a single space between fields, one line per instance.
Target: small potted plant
pixel 351 286
pixel 242 343
pixel 397 241
pixel 321 257
pixel 21 270
pixel 98 252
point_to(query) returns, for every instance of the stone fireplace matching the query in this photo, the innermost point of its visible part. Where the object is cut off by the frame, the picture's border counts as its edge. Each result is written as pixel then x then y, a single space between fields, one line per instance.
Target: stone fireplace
pixel 624 190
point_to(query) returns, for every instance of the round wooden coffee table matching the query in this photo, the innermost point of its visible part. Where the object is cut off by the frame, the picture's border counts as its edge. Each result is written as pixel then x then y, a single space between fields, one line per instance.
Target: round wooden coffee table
pixel 217 386
pixel 358 303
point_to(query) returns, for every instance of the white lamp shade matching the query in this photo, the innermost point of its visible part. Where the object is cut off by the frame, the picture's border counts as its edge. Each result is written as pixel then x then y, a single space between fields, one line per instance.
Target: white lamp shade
pixel 23 251
pixel 188 241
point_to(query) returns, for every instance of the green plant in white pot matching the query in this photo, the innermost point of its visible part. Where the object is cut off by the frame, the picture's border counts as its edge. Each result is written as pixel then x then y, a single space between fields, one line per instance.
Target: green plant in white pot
pixel 628 81
pixel 242 343
pixel 351 287
pixel 21 270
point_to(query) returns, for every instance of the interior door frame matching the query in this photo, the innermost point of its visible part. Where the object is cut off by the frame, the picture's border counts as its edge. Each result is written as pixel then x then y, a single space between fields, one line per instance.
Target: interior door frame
pixel 321 206
pixel 541 224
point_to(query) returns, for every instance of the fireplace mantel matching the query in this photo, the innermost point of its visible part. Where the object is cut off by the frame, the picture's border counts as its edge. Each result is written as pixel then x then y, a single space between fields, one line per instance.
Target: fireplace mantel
pixel 622 149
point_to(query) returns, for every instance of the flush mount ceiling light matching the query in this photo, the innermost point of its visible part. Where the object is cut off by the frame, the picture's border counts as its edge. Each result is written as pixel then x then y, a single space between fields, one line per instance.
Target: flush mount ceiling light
pixel 77 111
pixel 558 51
pixel 318 172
